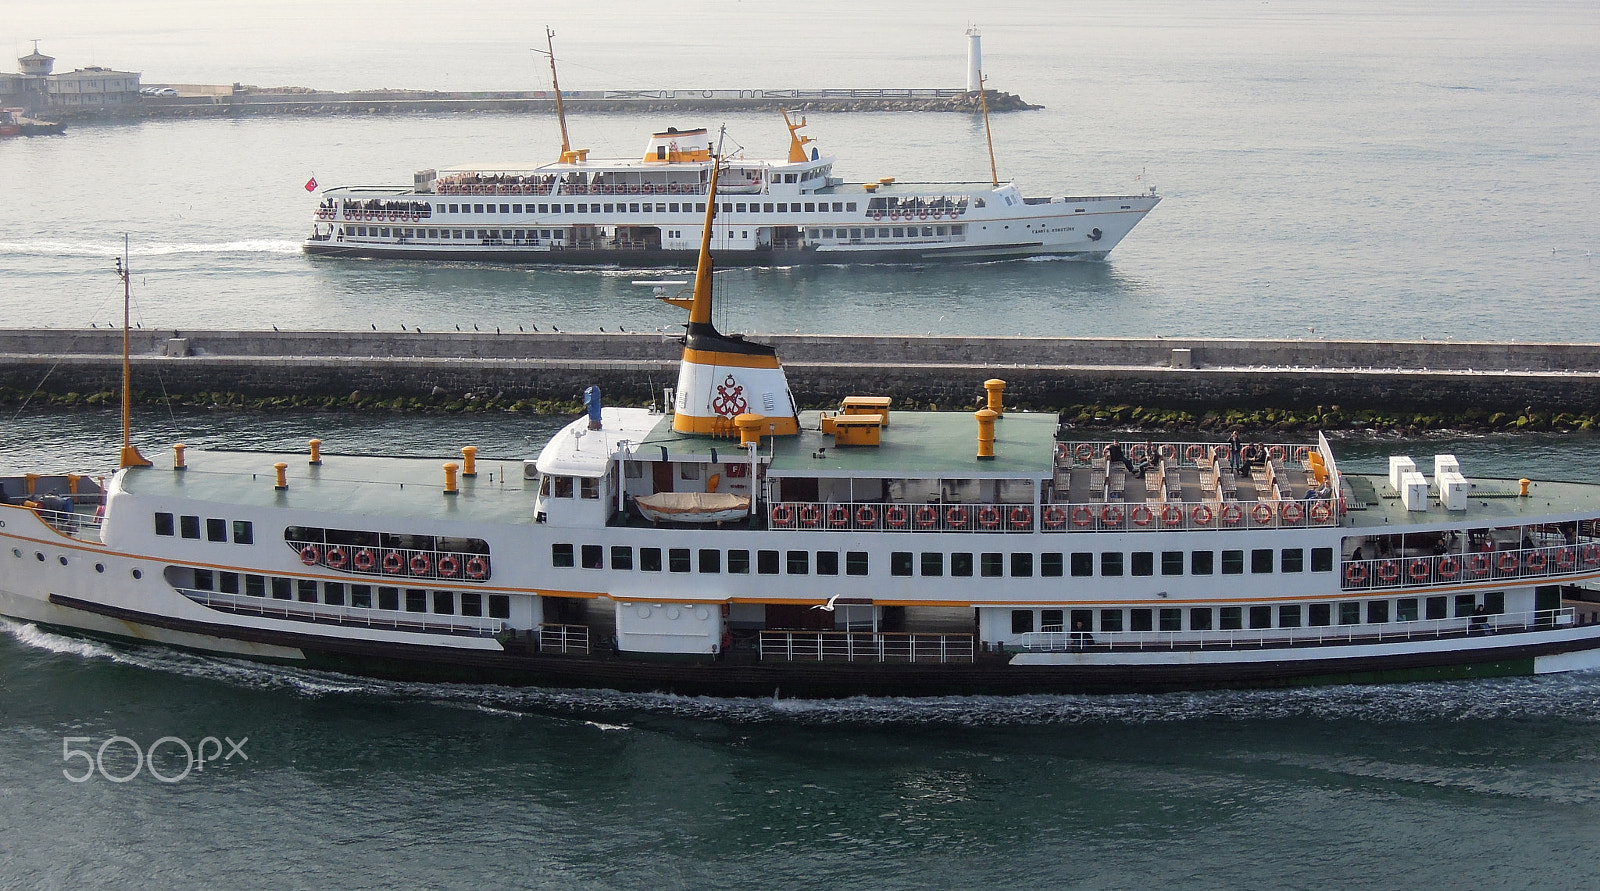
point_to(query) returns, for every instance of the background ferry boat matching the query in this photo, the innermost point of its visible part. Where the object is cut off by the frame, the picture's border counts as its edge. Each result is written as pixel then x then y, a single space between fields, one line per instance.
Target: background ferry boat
pixel 648 211
pixel 730 544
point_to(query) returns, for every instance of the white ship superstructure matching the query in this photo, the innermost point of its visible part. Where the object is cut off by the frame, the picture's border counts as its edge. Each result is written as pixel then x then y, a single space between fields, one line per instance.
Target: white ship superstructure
pixel 650 210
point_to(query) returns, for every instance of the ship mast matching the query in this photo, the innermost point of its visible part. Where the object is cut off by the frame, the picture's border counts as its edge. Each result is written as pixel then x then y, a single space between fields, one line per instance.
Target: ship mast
pixel 983 100
pixel 130 454
pixel 568 155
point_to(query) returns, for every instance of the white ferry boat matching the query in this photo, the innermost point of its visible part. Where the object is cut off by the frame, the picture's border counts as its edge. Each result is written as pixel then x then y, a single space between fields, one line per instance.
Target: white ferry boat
pixel 729 544
pixel 647 211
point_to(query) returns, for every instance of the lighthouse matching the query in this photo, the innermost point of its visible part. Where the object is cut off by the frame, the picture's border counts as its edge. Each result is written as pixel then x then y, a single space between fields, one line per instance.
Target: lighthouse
pixel 974 60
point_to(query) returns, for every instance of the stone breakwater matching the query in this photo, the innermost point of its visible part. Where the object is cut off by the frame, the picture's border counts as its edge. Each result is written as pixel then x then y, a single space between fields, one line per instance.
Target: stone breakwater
pixel 249 101
pixel 1102 381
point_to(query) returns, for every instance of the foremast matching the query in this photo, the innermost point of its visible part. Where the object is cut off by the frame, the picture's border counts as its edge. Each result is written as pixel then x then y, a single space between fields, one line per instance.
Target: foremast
pixel 130 456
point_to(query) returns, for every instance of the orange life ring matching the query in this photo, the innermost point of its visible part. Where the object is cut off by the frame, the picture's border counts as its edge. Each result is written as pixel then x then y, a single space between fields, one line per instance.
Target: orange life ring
pixel 1194 453
pixel 1566 558
pixel 781 514
pixel 1418 570
pixel 1232 514
pixel 1167 451
pixel 1111 515
pixel 364 560
pixel 810 516
pixel 1321 512
pixel 923 215
pixel 420 564
pixel 1201 515
pixel 1083 452
pixel 1291 511
pixel 1223 451
pixel 1054 518
pixel 1507 562
pixel 1141 515
pixel 1261 513
pixel 926 517
pixel 1388 571
pixel 1021 517
pixel 895 517
pixel 989 517
pixel 1301 453
pixel 1535 560
pixel 955 516
pixel 1171 515
pixel 1275 453
pixel 1355 573
pixel 1082 516
pixel 1477 564
pixel 838 516
pixel 310 555
pixel 448 566
pixel 877 215
pixel 866 515
pixel 477 567
pixel 1137 452
pixel 336 557
pixel 393 562
pixel 1448 567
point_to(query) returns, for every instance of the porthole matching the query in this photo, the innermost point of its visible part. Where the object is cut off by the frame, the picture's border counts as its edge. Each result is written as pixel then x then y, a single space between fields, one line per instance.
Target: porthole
pixel 99 567
pixel 39 555
pixel 643 612
pixel 138 573
pixel 16 552
pixel 63 560
pixel 672 613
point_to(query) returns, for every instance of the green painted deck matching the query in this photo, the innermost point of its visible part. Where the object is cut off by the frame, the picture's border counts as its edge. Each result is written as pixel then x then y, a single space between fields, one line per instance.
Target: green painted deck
pixel 374 486
pixel 915 445
pixel 1491 503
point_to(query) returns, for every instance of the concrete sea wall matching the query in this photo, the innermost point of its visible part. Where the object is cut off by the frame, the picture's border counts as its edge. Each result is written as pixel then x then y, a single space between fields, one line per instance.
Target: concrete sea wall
pixel 1194 376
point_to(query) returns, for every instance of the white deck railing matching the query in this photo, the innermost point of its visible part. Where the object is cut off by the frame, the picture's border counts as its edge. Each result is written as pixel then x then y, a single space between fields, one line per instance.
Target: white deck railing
pixel 431 623
pixel 865 646
pixel 1449 569
pixel 1256 638
pixel 1113 516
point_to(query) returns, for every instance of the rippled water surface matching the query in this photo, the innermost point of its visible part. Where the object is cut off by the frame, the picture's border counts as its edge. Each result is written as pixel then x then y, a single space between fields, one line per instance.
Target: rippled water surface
pixel 1331 169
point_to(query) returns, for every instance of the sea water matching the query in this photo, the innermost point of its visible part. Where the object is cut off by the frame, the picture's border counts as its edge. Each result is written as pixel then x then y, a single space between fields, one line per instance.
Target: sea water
pixel 1331 169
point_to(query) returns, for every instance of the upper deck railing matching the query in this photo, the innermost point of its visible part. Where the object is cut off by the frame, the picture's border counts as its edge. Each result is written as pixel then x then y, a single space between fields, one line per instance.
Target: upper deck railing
pixel 1446 569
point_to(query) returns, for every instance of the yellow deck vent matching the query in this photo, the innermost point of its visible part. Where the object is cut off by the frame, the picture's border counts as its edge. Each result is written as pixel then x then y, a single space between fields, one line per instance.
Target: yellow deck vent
pixel 866 405
pixel 857 430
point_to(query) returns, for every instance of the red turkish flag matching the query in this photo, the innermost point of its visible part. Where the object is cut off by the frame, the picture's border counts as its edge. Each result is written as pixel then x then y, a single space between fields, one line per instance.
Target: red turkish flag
pixel 311 184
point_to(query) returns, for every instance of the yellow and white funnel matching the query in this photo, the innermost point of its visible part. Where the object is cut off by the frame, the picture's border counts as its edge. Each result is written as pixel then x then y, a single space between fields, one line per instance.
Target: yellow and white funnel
pixel 722 377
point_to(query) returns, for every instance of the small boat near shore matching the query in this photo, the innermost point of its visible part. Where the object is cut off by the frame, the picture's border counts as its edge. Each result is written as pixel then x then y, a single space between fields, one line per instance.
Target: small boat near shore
pixel 727 543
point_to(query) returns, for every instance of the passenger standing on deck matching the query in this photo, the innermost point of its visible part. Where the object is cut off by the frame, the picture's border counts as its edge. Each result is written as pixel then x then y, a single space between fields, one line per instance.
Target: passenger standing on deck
pixel 1233 451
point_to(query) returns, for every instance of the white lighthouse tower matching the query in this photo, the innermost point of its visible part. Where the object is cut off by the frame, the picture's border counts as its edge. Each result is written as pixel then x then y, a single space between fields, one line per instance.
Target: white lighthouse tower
pixel 974 60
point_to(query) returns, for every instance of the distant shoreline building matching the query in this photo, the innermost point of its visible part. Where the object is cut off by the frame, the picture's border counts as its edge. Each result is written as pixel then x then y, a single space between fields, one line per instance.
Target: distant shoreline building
pixel 36 86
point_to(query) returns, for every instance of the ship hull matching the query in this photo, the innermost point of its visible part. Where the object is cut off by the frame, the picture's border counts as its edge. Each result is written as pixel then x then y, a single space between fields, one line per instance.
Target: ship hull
pixel 998 674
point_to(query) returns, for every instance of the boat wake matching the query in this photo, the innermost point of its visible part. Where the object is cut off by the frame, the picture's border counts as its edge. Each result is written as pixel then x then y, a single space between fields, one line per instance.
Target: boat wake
pixel 146 249
pixel 1573 696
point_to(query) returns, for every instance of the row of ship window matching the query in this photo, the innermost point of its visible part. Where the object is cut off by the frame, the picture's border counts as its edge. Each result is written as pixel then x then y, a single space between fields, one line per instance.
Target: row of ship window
pixel 660 207
pixel 399 232
pixel 993 564
pixel 888 232
pixel 1239 618
pixel 187 526
pixel 411 600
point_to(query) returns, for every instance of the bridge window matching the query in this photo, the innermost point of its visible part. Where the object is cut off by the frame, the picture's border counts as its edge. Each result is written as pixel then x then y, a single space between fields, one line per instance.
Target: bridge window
pixel 1171 619
pixel 798 562
pixel 189 527
pixel 1293 560
pixel 1377 612
pixel 767 562
pixel 1200 618
pixel 1232 562
pixel 1111 620
pixel 1050 565
pixel 932 563
pixel 855 563
pixel 900 563
pixel 593 557
pixel 739 562
pixel 650 559
pixel 710 560
pixel 678 559
pixel 992 565
pixel 164 525
pixel 1143 563
pixel 1021 566
pixel 1082 563
pixel 1322 560
pixel 1172 563
pixel 961 565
